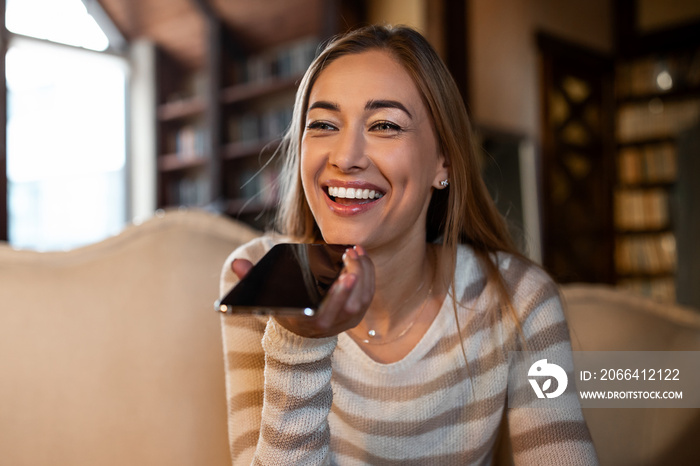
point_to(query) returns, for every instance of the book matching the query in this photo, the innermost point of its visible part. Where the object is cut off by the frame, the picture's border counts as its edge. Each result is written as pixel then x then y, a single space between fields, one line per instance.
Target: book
pixel 641 209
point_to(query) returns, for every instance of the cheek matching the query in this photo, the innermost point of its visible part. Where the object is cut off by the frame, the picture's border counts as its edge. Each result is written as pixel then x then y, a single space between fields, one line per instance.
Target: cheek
pixel 413 169
pixel 308 156
pixel 308 169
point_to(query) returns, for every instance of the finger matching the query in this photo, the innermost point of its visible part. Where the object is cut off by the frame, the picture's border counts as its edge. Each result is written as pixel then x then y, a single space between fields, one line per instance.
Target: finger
pixel 369 280
pixel 241 267
pixel 367 274
pixel 361 296
pixel 336 299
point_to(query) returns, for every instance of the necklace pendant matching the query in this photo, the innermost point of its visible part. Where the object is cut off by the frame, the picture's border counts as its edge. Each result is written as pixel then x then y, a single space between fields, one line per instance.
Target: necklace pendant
pixel 372 333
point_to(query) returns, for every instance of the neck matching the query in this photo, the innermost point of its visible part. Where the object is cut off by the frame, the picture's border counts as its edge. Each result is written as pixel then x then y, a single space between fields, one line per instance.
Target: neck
pixel 403 279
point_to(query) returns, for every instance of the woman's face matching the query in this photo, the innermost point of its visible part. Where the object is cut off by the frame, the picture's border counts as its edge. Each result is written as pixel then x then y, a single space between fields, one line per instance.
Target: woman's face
pixel 369 155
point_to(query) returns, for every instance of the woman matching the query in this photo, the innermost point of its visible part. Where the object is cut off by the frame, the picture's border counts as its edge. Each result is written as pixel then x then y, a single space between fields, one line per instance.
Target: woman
pixel 407 361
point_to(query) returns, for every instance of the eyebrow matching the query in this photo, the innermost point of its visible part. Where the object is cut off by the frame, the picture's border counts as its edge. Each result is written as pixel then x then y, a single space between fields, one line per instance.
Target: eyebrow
pixel 377 104
pixel 371 105
pixel 322 104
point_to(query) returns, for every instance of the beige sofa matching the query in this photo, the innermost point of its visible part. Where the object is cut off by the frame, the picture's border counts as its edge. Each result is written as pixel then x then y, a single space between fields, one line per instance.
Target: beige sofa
pixel 605 319
pixel 111 354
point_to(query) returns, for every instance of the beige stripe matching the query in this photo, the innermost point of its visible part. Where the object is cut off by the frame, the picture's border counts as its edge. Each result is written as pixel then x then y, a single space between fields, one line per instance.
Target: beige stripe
pixel 522 396
pixel 309 367
pixel 467 456
pixel 513 340
pixel 519 277
pixel 311 441
pixel 472 291
pixel 543 339
pixel 406 393
pixel 555 432
pixel 464 414
pixel 548 336
pixel 532 300
pixel 245 400
pixel 243 442
pixel 481 321
pixel 475 324
pixel 246 322
pixel 237 360
pixel 516 272
pixel 282 401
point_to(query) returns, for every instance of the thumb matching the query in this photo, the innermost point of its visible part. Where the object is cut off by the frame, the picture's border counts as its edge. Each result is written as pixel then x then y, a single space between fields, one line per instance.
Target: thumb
pixel 241 267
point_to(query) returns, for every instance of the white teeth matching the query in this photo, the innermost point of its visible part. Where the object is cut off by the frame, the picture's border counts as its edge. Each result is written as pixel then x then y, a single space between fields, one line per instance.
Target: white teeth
pixel 352 193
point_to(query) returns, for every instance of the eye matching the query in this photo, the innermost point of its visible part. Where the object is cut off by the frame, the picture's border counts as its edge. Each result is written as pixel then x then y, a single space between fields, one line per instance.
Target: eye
pixel 320 126
pixel 385 127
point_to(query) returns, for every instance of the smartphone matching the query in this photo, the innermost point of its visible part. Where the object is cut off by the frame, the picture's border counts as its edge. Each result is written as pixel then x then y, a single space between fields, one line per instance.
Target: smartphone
pixel 291 279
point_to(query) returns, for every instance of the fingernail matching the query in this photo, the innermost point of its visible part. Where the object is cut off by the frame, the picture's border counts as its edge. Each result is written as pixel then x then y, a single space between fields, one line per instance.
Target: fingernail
pixel 341 283
pixel 349 280
pixel 349 254
pixel 337 286
pixel 360 250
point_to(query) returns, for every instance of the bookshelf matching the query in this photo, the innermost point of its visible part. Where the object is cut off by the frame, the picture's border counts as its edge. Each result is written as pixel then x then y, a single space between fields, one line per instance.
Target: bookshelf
pixel 658 97
pixel 220 162
pixel 257 101
pixel 577 162
pixel 182 158
pixel 219 125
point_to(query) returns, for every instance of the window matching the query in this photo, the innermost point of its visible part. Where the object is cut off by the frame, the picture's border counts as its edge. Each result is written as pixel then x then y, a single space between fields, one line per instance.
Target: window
pixel 66 140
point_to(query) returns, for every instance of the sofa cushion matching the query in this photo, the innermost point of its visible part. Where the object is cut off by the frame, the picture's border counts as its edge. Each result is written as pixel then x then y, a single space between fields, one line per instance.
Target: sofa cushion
pixel 111 353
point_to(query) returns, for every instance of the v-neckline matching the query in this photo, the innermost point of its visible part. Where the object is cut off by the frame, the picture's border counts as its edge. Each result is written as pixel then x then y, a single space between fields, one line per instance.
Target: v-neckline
pixel 431 336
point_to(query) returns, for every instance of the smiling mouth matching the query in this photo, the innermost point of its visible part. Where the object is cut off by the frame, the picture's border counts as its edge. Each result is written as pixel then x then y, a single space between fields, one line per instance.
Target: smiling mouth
pixel 353 196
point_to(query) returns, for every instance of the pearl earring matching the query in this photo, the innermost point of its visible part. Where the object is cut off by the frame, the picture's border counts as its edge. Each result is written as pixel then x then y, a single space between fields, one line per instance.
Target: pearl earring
pixel 444 183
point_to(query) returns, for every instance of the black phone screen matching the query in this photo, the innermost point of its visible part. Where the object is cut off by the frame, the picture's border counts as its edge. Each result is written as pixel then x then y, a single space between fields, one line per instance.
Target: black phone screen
pixel 289 279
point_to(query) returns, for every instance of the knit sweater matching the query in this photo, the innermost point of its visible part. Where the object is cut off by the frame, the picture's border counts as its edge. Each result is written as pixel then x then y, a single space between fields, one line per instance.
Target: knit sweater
pixel 295 400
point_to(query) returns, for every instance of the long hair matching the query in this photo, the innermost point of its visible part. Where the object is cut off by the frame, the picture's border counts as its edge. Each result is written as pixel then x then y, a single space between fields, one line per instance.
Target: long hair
pixel 462 213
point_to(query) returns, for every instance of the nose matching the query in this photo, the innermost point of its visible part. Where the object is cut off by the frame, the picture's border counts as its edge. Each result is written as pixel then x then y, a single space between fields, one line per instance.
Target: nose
pixel 349 154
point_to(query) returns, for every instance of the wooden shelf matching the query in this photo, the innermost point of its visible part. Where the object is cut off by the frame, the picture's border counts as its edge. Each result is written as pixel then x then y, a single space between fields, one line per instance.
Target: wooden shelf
pixel 236 207
pixel 249 91
pixel 646 275
pixel 670 96
pixel 179 109
pixel 643 231
pixel 644 185
pixel 177 162
pixel 238 150
pixel 647 142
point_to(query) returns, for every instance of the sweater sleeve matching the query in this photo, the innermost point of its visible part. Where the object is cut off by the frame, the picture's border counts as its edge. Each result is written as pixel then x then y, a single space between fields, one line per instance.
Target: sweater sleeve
pixel 557 434
pixel 277 385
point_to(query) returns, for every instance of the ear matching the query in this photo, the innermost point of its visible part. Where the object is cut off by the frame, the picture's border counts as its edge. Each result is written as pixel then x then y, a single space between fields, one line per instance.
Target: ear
pixel 442 172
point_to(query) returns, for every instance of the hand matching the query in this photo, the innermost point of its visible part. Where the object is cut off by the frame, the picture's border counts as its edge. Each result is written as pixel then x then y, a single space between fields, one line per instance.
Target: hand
pixel 345 304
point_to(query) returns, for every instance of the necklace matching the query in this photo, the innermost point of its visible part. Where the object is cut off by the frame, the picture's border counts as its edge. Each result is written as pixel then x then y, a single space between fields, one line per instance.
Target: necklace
pixel 372 334
pixel 372 340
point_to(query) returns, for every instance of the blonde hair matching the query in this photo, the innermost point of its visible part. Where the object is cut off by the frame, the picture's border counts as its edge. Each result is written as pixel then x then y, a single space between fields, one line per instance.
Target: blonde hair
pixel 464 212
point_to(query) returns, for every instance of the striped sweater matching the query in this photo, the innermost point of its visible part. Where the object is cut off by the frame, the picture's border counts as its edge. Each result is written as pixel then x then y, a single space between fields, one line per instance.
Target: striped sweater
pixel 295 400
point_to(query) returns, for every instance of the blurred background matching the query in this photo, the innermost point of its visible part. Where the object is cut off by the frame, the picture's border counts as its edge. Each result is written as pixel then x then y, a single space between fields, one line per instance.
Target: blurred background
pixel 586 113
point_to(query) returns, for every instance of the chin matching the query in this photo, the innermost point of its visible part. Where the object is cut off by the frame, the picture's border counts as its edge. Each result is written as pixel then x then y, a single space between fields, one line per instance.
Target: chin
pixel 344 239
pixel 344 236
